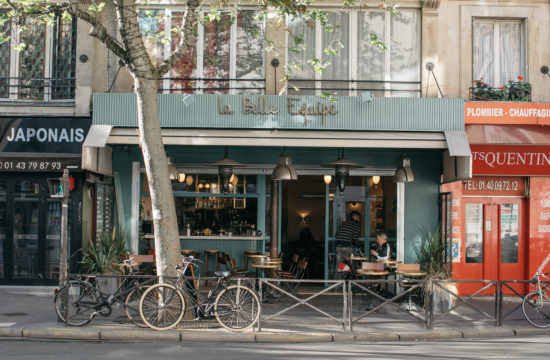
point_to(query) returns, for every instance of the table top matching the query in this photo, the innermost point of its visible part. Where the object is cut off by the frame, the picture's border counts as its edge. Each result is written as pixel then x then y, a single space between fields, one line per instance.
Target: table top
pixel 265 266
pixel 358 258
pixel 371 272
pixel 389 262
pixel 411 273
pixel 258 255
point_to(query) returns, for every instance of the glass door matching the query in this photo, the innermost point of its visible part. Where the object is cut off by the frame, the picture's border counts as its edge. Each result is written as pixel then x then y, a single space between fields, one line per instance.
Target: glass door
pixel 25 229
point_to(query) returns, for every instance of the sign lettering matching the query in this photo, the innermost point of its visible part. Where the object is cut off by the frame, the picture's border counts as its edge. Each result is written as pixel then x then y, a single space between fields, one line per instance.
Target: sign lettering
pixel 510 160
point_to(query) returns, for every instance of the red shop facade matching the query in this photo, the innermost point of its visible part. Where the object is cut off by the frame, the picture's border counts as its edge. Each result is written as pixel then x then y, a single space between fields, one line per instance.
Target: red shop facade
pixel 501 216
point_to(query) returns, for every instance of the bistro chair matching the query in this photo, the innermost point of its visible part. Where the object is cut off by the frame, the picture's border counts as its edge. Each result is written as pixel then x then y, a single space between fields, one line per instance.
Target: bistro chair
pixel 301 268
pixel 409 275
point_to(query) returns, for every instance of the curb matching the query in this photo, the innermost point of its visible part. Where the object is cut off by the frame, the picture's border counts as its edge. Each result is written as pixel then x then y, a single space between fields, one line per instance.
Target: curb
pixel 146 335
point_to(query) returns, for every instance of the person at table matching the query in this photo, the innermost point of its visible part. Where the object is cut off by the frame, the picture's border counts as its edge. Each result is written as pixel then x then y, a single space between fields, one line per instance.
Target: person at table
pixel 347 237
pixel 382 251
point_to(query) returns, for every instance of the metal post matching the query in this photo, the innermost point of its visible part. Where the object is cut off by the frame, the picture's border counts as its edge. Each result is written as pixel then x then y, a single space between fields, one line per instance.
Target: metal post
pixel 273 248
pixel 498 303
pixel 64 222
pixel 429 304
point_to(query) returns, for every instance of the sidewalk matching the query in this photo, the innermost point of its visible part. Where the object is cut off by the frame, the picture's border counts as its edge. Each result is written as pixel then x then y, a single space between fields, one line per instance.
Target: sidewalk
pixel 25 316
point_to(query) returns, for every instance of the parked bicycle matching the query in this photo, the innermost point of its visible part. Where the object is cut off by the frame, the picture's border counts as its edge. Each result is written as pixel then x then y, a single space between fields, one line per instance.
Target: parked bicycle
pixel 536 305
pixel 235 306
pixel 86 299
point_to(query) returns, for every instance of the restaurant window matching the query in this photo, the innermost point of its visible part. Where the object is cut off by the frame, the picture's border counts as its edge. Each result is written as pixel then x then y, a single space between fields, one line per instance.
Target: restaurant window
pixel 359 66
pixel 229 56
pixel 202 208
pixel 45 69
pixel 499 51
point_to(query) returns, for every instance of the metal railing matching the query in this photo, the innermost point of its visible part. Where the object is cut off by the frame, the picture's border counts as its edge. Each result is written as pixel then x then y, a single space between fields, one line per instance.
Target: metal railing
pixel 379 88
pixel 179 85
pixel 41 89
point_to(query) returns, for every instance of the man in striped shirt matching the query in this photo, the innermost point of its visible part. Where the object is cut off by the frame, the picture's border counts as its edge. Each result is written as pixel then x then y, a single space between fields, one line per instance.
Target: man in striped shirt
pixel 347 236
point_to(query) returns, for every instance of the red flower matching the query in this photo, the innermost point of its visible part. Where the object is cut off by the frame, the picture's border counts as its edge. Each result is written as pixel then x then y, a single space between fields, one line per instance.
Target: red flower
pixel 520 77
pixel 482 83
pixel 475 81
pixel 502 88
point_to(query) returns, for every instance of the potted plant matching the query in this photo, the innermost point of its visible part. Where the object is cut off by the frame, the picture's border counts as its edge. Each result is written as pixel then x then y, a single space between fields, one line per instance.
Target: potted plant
pixel 103 258
pixel 519 90
pixel 430 253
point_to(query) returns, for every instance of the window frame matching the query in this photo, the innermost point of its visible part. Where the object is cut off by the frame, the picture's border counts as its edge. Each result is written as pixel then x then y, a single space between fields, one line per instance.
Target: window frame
pixel 199 70
pixel 353 53
pixel 497 74
pixel 15 67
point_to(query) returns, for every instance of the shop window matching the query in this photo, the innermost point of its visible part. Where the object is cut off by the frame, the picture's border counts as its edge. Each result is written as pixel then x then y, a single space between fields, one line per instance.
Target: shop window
pixel 509 233
pixel 474 233
pixel 45 69
pixel 359 66
pixel 499 51
pixel 228 56
pixel 2 225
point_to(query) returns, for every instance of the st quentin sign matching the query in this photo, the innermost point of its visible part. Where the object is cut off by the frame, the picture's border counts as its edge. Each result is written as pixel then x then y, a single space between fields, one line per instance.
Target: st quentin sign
pixel 502 113
pixel 518 160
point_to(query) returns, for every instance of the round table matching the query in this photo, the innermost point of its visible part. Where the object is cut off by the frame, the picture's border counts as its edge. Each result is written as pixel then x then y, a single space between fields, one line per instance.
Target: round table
pixel 411 273
pixel 372 272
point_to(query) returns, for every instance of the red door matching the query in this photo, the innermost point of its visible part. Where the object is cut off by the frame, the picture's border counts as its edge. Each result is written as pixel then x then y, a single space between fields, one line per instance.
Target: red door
pixel 495 241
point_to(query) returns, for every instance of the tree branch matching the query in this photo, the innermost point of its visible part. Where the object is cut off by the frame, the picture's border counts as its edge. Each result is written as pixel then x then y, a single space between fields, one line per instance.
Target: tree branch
pixel 187 37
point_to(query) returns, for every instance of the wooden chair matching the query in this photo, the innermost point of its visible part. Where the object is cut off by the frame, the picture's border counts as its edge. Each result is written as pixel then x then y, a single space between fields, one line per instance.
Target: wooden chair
pixel 145 263
pixel 230 265
pixel 301 268
pixel 291 271
pixel 405 268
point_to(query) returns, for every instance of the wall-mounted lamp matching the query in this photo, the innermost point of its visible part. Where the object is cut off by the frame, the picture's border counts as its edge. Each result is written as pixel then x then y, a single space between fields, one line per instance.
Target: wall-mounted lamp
pixel 327 179
pixel 234 180
pixel 189 180
pixel 404 172
pixel 376 179
pixel 544 69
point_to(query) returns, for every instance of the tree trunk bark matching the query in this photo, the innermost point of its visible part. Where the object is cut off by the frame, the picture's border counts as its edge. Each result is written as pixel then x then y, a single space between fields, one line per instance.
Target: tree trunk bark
pixel 167 244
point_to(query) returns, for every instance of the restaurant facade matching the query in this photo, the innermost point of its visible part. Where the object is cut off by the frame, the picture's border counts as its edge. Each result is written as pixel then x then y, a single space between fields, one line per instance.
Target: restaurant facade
pixel 33 150
pixel 375 137
pixel 500 217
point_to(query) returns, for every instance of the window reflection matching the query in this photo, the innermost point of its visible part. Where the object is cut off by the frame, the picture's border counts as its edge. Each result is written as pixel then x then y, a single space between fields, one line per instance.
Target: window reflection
pixel 474 233
pixel 509 233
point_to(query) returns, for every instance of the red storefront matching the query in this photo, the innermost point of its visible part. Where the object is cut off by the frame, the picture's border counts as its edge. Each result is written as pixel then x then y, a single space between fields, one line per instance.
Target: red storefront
pixel 501 216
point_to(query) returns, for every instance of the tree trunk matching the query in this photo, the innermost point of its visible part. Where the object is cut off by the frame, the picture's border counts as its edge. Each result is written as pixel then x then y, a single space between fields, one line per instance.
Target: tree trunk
pixel 167 244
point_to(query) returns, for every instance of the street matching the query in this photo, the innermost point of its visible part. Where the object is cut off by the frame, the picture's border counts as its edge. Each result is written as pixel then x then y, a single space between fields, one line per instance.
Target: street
pixel 535 347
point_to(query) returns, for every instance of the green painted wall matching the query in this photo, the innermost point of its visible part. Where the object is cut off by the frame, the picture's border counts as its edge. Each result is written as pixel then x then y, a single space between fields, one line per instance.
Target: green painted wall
pixel 421 199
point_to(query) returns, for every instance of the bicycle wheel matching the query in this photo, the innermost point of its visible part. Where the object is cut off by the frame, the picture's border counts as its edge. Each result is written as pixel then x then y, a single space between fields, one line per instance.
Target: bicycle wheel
pixel 536 309
pixel 237 308
pixel 161 306
pixel 131 305
pixel 82 303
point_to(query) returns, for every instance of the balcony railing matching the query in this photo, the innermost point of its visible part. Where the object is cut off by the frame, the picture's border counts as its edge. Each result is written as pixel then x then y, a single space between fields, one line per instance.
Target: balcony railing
pixel 378 88
pixel 45 89
pixel 177 85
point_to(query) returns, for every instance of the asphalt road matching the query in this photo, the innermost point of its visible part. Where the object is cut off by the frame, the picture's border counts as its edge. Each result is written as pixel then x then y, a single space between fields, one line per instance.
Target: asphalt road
pixel 535 347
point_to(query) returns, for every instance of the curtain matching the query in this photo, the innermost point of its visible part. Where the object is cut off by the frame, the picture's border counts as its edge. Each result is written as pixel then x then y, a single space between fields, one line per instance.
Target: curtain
pixel 250 52
pixel 405 52
pixel 511 60
pixel 339 63
pixel 299 52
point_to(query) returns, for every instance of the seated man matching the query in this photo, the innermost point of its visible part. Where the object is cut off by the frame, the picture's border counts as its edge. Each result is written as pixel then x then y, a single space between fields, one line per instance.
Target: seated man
pixel 382 251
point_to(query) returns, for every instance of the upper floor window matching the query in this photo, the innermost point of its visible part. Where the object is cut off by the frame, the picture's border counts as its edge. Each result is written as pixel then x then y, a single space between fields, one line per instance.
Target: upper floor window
pixel 45 69
pixel 499 51
pixel 228 56
pixel 359 65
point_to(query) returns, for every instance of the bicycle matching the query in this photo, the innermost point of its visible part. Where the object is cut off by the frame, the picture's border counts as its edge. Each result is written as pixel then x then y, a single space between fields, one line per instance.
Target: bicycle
pixel 536 305
pixel 236 307
pixel 86 300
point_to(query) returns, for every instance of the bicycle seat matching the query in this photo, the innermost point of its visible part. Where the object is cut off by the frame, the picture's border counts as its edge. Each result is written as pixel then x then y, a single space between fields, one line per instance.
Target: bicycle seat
pixel 223 274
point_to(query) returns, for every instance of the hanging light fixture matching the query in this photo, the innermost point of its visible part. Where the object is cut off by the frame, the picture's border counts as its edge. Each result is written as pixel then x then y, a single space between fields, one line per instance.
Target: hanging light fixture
pixel 225 169
pixel 172 170
pixel 181 177
pixel 284 169
pixel 327 179
pixel 189 180
pixel 341 170
pixel 375 179
pixel 404 173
